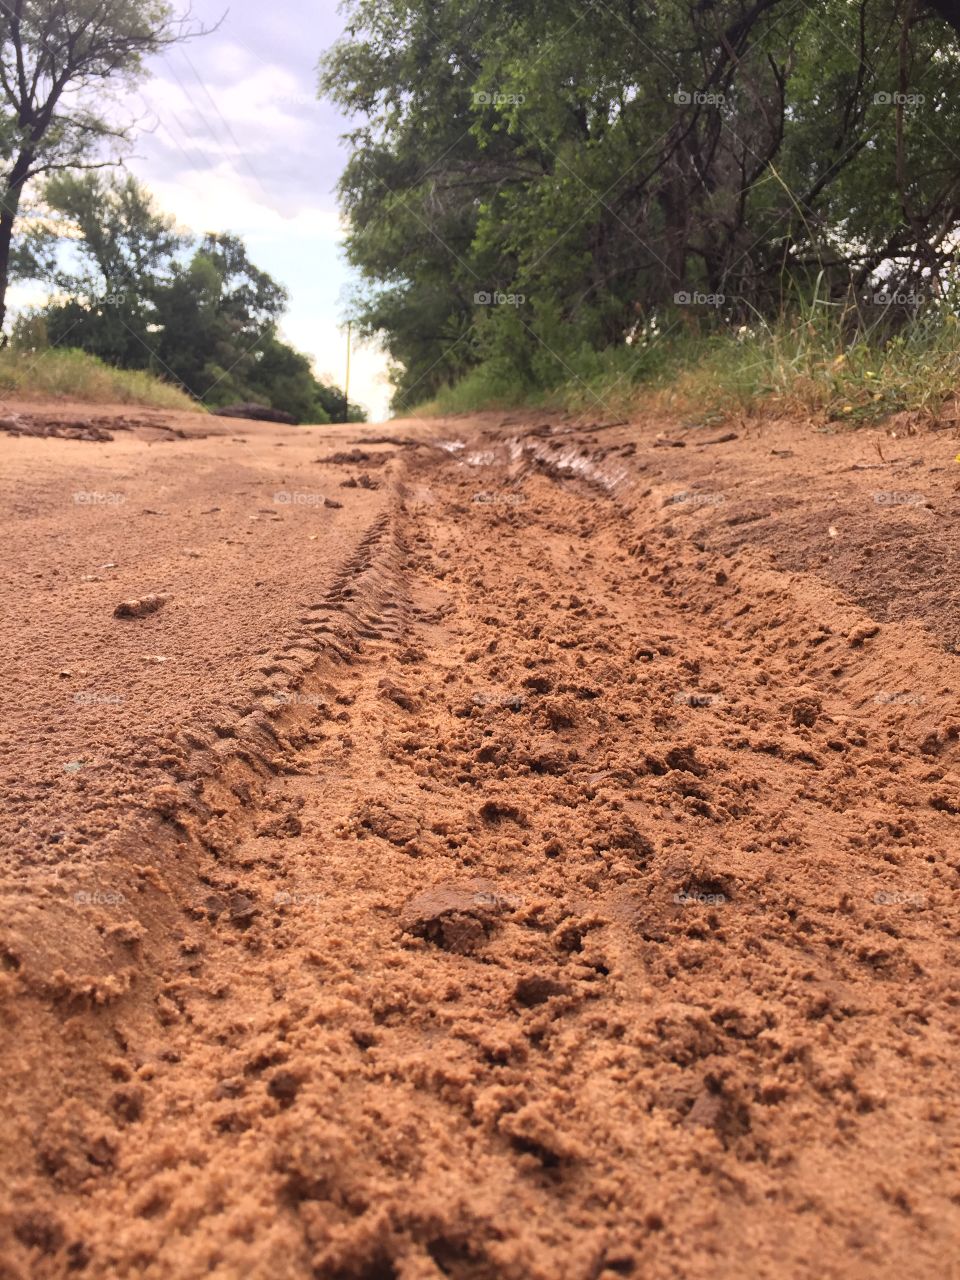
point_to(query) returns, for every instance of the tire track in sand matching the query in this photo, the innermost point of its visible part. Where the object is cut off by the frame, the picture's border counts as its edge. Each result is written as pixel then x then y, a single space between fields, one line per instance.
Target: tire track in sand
pixel 597 926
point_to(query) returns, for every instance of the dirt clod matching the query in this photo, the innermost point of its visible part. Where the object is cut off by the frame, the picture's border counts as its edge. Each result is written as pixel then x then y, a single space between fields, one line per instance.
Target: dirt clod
pixel 140 607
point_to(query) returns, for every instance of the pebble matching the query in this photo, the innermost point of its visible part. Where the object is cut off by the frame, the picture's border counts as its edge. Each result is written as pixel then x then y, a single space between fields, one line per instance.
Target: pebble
pixel 140 607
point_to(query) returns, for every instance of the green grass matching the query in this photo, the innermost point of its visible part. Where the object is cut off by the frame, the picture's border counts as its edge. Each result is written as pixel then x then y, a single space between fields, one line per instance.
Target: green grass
pixel 816 365
pixel 481 389
pixel 817 361
pixel 76 375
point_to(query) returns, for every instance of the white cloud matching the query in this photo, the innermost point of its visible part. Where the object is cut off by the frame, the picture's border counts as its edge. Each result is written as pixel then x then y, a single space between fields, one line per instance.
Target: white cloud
pixel 264 110
pixel 223 199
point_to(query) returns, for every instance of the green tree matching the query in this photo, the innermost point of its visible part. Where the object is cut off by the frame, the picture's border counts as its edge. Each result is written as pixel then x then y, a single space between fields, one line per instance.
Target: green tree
pixel 55 58
pixel 284 379
pixel 137 297
pixel 602 160
pixel 124 252
pixel 213 318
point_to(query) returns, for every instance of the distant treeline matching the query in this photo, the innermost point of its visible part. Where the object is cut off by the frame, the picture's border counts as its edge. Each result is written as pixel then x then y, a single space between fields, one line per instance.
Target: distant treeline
pixel 127 287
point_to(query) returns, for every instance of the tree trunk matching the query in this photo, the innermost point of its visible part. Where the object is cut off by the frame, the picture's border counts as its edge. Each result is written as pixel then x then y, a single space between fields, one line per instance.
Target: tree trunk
pixel 6 235
pixel 8 215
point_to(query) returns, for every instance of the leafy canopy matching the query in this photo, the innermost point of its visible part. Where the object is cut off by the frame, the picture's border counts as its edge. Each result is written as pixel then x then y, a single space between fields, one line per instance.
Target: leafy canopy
pixel 602 159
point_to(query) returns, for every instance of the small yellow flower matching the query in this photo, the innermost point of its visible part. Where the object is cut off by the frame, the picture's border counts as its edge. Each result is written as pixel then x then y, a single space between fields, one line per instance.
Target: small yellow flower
pixel 868 374
pixel 848 408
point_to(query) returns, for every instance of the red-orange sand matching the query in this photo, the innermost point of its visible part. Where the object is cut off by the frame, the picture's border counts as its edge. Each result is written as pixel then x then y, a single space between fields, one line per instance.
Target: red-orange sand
pixel 518 849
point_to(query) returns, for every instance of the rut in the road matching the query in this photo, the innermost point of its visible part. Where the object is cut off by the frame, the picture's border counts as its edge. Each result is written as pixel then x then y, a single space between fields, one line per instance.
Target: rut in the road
pixel 596 909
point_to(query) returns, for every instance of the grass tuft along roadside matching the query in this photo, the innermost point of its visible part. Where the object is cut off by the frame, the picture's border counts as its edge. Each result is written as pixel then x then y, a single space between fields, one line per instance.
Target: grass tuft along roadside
pixel 814 362
pixel 76 375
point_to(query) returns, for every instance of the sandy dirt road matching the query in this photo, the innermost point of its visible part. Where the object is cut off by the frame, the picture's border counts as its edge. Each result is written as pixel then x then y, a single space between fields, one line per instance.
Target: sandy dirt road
pixel 541 865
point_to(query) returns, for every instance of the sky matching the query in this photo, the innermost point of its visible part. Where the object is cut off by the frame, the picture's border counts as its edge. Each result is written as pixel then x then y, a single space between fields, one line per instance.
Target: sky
pixel 233 138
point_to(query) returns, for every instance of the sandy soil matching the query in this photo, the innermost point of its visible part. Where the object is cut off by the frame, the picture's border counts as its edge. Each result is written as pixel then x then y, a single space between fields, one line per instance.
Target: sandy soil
pixel 542 865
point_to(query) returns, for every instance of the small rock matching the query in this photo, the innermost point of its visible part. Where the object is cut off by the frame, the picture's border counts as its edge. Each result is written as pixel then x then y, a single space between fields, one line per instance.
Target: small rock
pixel 806 710
pixel 344 456
pixel 393 693
pixel 231 1087
pixel 859 634
pixel 724 439
pixel 140 607
pixel 456 917
pixel 714 1109
pixel 284 1087
pixel 236 907
pixel 242 909
pixel 538 989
